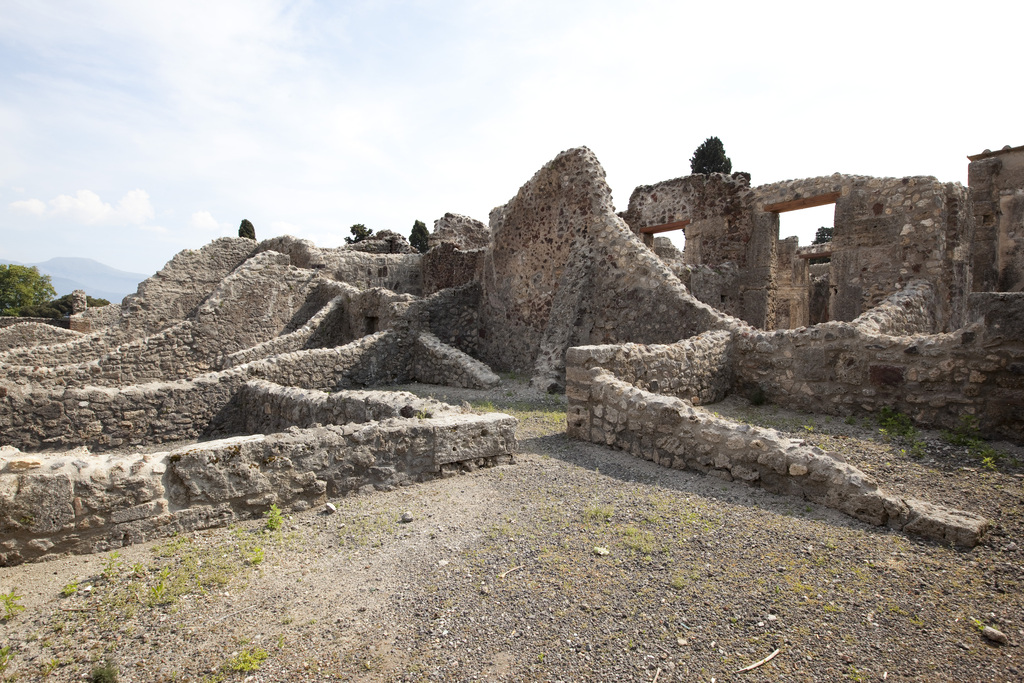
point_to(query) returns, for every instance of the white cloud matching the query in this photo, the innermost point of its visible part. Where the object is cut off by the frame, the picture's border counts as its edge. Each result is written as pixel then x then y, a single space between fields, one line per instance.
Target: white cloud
pixel 135 208
pixel 32 206
pixel 87 207
pixel 203 220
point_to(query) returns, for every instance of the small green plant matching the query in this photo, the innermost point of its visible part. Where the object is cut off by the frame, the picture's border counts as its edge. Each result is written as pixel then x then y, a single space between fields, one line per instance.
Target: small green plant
pixel 11 606
pixel 894 424
pixel 49 667
pixel 247 660
pixel 69 589
pixel 850 420
pixel 275 520
pixel 978 625
pixel 253 554
pixel 104 673
pixel 112 569
pixel 5 657
pixel 599 513
pixel 966 433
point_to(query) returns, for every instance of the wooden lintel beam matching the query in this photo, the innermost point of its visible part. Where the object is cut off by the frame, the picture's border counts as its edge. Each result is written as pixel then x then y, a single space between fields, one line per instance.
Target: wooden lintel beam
pixel 803 203
pixel 665 227
pixel 814 254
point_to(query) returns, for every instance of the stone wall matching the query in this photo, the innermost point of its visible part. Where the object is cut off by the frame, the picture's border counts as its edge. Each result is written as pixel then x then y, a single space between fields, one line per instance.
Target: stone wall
pixel 396 272
pixel 997 188
pixel 793 293
pixel 698 369
pixel 463 232
pixel 446 265
pixel 888 231
pixel 39 417
pixel 77 502
pixel 261 299
pixel 671 432
pixel 564 270
pixel 175 292
pixel 34 332
pixel 843 368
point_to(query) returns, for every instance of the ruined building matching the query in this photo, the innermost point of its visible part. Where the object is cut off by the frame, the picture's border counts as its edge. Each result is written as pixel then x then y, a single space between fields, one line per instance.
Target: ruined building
pixel 272 354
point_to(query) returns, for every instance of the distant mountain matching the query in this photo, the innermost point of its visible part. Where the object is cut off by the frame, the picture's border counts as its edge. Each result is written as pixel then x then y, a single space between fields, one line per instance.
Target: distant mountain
pixel 98 280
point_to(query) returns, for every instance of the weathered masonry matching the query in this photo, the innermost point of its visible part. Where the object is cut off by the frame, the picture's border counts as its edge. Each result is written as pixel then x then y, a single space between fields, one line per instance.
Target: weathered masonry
pixel 246 374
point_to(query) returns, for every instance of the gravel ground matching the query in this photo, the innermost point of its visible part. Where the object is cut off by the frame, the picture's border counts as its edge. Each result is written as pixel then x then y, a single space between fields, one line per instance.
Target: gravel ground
pixel 576 563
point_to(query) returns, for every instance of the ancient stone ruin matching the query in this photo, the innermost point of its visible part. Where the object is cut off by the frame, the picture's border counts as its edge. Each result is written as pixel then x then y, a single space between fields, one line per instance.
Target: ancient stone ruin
pixel 246 373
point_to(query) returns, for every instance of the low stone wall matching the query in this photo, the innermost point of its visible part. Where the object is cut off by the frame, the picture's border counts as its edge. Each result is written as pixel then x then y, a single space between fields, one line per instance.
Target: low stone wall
pixel 671 432
pixel 104 418
pixel 698 369
pixel 77 502
pixel 907 312
pixel 32 333
pixel 11 320
pixel 264 407
pixel 839 369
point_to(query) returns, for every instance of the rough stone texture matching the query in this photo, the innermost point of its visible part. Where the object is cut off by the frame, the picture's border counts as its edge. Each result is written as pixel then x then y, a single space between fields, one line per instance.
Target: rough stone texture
pixel 260 300
pixel 176 290
pixel 446 265
pixel 792 280
pixel 104 418
pixel 698 369
pixel 723 228
pixel 564 270
pixel 31 334
pixel 673 433
pixel 399 273
pixel 888 232
pixel 463 232
pixel 384 242
pixel 78 502
pixel 996 180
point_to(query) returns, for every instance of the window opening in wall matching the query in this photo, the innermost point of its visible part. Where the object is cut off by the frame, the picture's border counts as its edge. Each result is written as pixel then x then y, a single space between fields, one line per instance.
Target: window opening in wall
pixel 806 223
pixel 371 324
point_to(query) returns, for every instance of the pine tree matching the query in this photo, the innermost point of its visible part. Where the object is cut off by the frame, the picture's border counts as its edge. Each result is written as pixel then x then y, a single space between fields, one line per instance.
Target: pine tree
pixel 710 158
pixel 359 233
pixel 419 237
pixel 246 229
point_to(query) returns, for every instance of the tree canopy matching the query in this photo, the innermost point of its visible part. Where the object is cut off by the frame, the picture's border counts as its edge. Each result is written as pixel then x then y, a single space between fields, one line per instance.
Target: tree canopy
pixel 823 235
pixel 246 229
pixel 359 233
pixel 710 158
pixel 58 308
pixel 419 237
pixel 23 286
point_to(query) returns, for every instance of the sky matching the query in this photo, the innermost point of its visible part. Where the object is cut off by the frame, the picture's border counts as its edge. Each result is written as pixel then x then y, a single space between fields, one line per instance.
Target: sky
pixel 132 130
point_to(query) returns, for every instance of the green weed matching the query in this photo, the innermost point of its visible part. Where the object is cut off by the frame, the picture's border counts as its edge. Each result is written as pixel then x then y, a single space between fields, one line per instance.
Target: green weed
pixel 247 660
pixel 275 519
pixel 11 606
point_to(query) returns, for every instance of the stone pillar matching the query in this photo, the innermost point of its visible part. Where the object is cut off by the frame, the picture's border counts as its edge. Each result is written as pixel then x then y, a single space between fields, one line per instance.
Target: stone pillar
pixel 79 302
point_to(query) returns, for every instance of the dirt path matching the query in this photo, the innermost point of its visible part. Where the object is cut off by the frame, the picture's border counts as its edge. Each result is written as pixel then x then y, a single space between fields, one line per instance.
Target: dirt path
pixel 576 563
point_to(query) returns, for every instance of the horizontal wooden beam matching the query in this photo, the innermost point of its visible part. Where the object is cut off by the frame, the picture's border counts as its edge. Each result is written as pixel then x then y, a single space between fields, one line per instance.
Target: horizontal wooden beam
pixel 665 227
pixel 814 254
pixel 803 203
